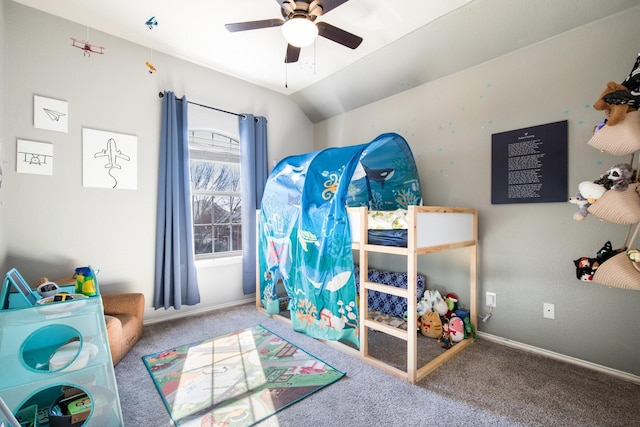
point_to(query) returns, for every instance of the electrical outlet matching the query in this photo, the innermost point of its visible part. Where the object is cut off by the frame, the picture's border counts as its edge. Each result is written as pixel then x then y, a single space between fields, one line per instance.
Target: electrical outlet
pixel 549 310
pixel 491 299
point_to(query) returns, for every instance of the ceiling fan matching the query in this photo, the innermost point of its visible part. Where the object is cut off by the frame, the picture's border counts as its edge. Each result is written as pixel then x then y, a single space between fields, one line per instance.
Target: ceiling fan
pixel 299 27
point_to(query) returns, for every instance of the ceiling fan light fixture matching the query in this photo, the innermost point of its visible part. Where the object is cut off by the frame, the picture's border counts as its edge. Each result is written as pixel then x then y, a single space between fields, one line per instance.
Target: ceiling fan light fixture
pixel 299 31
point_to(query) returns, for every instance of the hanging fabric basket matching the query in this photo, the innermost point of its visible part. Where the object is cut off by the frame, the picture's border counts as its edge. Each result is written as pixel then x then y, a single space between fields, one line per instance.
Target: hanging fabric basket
pixel 619 207
pixel 620 139
pixel 619 271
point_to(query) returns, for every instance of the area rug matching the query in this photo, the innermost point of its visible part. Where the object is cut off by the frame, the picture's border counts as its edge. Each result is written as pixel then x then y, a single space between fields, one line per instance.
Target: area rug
pixel 236 379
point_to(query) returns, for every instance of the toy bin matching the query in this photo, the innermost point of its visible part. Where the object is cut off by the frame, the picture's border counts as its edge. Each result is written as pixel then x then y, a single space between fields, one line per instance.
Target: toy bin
pixel 48 350
pixel 75 405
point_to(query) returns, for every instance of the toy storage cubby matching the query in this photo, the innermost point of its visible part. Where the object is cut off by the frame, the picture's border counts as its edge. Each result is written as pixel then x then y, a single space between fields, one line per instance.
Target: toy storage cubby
pixel 52 352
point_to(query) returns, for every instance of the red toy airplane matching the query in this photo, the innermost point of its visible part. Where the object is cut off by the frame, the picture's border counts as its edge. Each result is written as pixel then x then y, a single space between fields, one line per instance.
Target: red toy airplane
pixel 87 47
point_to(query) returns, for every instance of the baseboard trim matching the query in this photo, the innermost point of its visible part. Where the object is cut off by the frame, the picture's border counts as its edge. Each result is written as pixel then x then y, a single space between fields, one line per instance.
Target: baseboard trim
pixel 204 310
pixel 562 357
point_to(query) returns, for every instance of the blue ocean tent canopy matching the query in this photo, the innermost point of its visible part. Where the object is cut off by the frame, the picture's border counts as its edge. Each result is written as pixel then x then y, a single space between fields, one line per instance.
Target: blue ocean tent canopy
pixel 304 238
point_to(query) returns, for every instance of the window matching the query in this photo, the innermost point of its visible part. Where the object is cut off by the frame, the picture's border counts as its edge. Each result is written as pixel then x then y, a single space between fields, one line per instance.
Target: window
pixel 216 193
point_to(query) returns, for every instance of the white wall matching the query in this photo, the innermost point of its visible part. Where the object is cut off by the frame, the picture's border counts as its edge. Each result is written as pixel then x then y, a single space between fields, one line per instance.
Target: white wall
pixel 54 224
pixel 526 250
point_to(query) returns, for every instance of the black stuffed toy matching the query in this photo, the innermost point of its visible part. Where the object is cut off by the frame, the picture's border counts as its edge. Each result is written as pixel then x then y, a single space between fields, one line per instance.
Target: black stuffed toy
pixel 630 96
pixel 586 267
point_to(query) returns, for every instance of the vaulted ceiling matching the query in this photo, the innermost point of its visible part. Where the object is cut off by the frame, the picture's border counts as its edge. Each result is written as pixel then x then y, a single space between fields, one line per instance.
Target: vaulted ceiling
pixel 406 43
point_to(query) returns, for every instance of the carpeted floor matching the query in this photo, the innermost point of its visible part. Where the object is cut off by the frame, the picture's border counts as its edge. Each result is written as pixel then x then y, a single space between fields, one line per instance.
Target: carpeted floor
pixel 487 384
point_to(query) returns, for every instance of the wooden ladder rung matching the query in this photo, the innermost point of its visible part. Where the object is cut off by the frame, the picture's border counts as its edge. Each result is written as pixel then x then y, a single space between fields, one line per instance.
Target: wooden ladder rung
pixel 386 329
pixel 386 289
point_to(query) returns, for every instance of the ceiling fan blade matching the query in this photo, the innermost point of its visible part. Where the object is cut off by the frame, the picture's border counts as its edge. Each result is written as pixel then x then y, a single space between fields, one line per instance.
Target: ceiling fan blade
pixel 292 55
pixel 254 25
pixel 326 5
pixel 338 35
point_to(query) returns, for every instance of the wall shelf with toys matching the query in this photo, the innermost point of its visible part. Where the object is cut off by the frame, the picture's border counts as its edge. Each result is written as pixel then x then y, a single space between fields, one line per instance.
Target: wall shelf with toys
pixel 615 197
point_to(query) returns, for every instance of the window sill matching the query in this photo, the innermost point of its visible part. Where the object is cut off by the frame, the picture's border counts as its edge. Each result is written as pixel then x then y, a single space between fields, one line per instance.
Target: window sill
pixel 214 262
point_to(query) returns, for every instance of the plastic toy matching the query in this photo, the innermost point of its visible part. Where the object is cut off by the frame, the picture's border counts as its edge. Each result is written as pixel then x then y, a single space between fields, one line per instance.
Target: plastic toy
pixel 47 288
pixel 151 23
pixel 150 66
pixel 87 47
pixel 85 281
pixel 445 338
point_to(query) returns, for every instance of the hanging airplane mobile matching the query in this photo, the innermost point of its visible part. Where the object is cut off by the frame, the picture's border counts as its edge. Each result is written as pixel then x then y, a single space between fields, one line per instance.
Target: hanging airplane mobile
pixel 151 22
pixel 87 47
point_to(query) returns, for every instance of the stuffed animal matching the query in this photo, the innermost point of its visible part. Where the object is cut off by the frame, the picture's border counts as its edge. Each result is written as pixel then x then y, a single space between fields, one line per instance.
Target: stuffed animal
pixel 612 105
pixel 621 175
pixel 616 100
pixel 605 181
pixel 632 82
pixel 469 329
pixel 452 304
pixel 634 255
pixel 606 252
pixel 456 329
pixel 586 267
pixel 445 338
pixel 432 300
pixel 588 193
pixel 583 205
pixel 628 96
pixel 430 324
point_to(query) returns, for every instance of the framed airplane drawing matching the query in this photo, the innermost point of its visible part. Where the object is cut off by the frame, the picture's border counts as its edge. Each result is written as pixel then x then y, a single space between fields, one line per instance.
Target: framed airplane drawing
pixel 109 160
pixel 50 114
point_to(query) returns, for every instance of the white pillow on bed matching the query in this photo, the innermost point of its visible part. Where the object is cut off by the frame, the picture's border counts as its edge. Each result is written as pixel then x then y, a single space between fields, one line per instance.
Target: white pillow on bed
pixel 388 220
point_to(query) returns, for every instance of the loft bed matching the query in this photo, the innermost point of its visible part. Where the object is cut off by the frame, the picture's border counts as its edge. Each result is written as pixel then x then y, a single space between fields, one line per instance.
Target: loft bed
pixel 307 236
pixel 430 229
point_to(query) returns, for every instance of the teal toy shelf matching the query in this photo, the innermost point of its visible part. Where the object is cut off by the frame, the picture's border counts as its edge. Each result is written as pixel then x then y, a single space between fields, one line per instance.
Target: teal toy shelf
pixel 49 351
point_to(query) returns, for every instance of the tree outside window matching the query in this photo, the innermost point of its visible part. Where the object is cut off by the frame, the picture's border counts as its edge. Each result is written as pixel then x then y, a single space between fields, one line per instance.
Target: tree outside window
pixel 216 193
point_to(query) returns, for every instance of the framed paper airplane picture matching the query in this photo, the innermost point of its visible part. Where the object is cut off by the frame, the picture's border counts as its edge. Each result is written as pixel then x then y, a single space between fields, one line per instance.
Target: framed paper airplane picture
pixel 50 114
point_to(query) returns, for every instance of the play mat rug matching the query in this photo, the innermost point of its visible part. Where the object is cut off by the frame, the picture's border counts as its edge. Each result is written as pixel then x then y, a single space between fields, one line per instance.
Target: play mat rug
pixel 236 379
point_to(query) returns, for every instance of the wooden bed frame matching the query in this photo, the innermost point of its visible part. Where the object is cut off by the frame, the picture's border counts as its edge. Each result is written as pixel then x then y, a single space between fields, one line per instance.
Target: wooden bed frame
pixel 431 229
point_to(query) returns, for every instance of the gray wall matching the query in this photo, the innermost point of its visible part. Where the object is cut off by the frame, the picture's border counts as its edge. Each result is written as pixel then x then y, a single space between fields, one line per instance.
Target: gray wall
pixel 54 224
pixel 3 124
pixel 526 250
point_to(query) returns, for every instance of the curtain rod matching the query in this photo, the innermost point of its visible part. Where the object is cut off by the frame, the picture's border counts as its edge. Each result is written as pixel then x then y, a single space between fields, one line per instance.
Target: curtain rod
pixel 161 95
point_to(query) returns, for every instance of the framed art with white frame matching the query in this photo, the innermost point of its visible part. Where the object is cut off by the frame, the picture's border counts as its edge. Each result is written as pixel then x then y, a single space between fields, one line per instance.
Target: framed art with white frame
pixel 109 159
pixel 34 157
pixel 50 114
